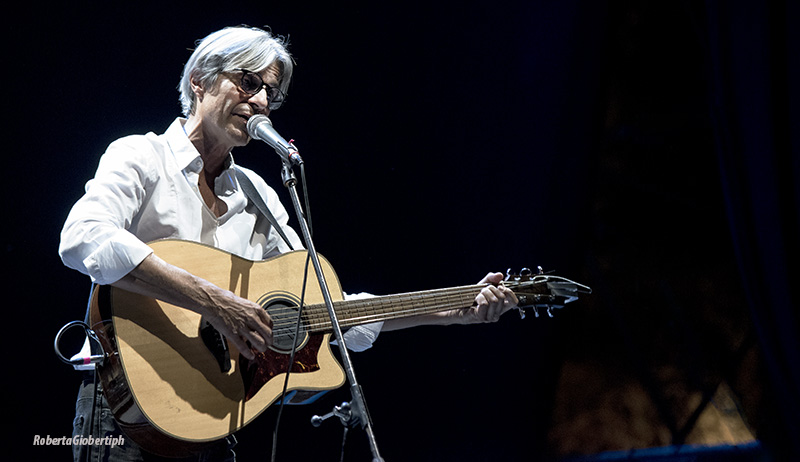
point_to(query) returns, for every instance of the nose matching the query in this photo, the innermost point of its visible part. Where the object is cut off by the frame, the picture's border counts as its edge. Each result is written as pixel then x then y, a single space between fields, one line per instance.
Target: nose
pixel 260 102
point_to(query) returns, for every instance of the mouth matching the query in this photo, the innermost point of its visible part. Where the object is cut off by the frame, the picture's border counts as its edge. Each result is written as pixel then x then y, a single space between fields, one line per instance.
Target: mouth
pixel 243 118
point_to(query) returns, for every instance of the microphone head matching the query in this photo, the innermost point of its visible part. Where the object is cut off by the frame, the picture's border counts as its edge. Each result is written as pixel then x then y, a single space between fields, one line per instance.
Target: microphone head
pixel 254 121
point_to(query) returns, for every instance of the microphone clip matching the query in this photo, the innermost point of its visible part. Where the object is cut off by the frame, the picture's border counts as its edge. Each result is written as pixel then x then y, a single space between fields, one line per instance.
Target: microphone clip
pixel 294 155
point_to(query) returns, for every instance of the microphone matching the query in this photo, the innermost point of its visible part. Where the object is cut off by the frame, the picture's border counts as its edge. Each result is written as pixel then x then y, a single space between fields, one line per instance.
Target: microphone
pixel 260 127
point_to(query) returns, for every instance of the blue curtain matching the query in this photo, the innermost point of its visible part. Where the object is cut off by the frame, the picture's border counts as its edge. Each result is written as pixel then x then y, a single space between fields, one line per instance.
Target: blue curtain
pixel 755 82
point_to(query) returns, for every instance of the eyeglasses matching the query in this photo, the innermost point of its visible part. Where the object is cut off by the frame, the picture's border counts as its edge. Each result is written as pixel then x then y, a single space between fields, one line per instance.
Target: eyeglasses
pixel 252 83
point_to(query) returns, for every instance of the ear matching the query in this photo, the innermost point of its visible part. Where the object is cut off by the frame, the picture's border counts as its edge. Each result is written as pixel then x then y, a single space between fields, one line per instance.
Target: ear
pixel 197 87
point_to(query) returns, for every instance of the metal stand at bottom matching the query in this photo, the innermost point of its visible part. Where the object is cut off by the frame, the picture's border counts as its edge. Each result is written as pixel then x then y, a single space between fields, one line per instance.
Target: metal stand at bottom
pixel 356 411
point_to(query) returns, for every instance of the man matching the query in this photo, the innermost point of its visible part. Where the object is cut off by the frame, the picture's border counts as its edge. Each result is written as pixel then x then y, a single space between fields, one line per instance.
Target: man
pixel 182 185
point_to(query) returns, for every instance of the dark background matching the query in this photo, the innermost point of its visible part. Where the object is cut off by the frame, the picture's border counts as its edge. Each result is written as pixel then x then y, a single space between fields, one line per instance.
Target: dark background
pixel 646 149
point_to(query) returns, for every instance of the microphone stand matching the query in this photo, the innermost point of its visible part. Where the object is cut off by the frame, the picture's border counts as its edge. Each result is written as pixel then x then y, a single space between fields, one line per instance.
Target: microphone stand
pixel 359 405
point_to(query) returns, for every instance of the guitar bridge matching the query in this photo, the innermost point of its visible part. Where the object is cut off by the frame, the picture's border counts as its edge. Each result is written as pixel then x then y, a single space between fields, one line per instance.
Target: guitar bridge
pixel 216 344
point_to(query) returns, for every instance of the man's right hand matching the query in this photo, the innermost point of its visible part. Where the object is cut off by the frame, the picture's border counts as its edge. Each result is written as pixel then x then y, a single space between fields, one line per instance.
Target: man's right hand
pixel 244 323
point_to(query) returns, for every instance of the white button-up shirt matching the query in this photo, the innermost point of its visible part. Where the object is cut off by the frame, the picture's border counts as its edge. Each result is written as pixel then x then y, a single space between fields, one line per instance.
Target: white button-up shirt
pixel 145 189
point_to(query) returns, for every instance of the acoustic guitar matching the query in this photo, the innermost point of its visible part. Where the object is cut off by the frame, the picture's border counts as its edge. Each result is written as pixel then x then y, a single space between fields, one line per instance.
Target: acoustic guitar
pixel 174 384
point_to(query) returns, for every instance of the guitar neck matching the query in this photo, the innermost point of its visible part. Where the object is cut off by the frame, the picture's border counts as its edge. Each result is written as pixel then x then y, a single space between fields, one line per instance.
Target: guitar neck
pixel 375 309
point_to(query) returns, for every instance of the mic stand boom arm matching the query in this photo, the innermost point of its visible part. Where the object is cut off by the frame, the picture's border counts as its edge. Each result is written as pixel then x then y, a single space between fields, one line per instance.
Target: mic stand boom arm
pixel 359 406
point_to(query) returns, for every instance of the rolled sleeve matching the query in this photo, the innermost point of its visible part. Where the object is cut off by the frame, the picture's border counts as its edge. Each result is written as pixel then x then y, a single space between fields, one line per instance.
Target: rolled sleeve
pixel 361 338
pixel 115 257
pixel 98 238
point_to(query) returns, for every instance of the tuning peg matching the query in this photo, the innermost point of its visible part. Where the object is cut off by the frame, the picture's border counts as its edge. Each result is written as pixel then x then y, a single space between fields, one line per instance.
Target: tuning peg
pixel 509 274
pixel 524 274
pixel 547 309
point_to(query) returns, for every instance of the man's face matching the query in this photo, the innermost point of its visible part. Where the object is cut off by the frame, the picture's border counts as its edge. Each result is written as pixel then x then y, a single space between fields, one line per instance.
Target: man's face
pixel 223 109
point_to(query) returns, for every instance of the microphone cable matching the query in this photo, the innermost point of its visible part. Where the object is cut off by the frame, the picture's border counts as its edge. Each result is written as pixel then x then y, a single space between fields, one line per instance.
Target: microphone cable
pixel 93 425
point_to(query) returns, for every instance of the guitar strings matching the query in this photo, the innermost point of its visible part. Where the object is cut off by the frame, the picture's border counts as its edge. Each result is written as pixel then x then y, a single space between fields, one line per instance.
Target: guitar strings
pixel 362 311
pixel 431 303
pixel 348 308
pixel 428 297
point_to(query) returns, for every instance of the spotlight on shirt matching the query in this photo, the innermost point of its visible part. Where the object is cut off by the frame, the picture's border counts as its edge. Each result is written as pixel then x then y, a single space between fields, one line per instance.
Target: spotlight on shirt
pixel 260 128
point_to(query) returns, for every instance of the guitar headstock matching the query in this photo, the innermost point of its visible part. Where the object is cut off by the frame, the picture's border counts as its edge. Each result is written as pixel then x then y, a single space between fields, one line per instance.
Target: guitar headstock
pixel 542 291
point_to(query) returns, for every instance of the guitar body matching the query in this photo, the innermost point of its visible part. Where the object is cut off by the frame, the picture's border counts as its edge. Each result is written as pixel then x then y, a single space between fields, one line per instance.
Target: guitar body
pixel 167 389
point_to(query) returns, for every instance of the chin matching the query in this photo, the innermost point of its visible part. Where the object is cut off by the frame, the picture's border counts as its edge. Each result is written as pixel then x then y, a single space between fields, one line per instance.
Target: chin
pixel 239 137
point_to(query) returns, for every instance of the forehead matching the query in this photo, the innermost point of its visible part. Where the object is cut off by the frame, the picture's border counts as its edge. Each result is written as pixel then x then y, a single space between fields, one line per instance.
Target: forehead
pixel 271 74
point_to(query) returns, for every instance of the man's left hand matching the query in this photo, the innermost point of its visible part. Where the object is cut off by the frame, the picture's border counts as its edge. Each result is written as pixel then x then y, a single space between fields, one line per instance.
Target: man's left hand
pixel 493 300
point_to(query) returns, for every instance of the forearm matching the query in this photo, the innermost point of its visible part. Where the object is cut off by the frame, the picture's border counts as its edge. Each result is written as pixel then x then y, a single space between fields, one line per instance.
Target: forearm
pixel 241 321
pixel 155 278
pixel 443 318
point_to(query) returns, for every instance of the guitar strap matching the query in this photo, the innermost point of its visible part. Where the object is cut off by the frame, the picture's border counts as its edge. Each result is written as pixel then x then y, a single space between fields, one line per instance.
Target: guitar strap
pixel 252 194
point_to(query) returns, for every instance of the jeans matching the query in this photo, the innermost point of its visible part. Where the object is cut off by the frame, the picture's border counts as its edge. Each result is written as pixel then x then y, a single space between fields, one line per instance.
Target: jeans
pixel 114 446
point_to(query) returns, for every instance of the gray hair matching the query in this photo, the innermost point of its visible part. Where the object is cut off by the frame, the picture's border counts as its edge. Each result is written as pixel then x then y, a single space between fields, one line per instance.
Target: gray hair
pixel 232 48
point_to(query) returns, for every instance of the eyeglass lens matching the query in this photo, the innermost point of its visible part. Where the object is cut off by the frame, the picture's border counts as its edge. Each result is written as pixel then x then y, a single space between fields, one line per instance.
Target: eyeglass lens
pixel 252 83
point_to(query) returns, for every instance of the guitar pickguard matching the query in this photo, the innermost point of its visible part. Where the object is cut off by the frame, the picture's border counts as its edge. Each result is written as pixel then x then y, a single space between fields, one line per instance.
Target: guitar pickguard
pixel 282 307
pixel 269 364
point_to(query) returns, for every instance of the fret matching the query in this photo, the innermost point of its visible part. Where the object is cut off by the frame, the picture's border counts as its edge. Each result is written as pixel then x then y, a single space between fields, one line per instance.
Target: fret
pixel 375 309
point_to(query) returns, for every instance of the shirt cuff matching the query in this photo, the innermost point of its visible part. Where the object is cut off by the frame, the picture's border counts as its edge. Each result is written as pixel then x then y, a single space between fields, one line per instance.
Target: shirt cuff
pixel 360 338
pixel 116 257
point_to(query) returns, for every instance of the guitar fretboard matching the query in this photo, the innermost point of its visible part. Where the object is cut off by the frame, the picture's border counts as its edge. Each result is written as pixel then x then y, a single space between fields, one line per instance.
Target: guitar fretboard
pixel 375 309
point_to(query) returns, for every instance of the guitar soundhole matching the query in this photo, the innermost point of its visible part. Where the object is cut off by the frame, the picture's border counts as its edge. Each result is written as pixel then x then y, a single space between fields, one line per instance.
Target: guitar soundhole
pixel 282 307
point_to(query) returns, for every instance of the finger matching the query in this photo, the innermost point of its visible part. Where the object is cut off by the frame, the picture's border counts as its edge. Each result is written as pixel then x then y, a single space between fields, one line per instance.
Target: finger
pixel 509 301
pixel 257 327
pixel 489 297
pixel 493 295
pixel 245 338
pixel 241 345
pixel 511 297
pixel 494 310
pixel 256 339
pixel 492 278
pixel 263 327
pixel 499 300
pixel 504 296
pixel 265 317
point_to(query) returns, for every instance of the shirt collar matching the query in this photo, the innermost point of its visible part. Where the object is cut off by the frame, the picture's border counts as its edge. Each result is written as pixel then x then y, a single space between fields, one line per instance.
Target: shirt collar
pixel 185 154
pixel 188 159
